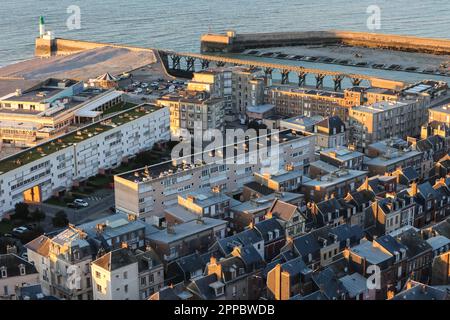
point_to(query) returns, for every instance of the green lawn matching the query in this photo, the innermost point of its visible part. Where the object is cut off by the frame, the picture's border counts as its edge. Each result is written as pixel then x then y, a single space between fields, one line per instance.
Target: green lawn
pixel 5 227
pixel 56 202
pixel 119 107
pixel 100 181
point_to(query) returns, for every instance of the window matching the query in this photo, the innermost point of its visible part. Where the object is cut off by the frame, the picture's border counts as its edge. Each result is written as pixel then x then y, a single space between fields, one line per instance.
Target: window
pixel 22 270
pixel 97 274
pixel 3 272
pixel 125 288
pixel 143 281
pixel 99 288
pixel 5 290
pixel 125 275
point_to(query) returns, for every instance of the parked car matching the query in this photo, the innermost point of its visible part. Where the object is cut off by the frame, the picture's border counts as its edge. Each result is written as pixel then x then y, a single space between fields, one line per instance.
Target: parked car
pixel 80 202
pixel 19 231
pixel 73 206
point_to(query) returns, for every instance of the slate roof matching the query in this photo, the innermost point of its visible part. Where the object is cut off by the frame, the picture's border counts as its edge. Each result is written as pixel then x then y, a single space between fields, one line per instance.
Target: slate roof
pixel 317 295
pixel 166 293
pixel 251 258
pixel 410 173
pixel 355 284
pixel 283 210
pixel 201 287
pixel 411 239
pixel 263 227
pixel 116 259
pixel 331 286
pixel 12 262
pixel 333 122
pixel 390 244
pixel 144 257
pixel 191 263
pixel 422 292
pixel 40 245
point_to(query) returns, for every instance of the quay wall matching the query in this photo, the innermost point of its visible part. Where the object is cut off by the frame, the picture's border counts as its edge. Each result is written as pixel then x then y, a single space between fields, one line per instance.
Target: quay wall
pixel 235 42
pixel 59 46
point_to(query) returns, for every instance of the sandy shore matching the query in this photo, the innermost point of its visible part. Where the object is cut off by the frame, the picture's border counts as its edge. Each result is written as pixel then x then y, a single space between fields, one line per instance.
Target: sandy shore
pixel 81 66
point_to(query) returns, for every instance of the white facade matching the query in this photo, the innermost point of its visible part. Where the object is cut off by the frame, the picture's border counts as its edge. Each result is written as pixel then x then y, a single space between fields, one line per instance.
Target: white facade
pixel 78 161
pixel 118 284
pixel 135 193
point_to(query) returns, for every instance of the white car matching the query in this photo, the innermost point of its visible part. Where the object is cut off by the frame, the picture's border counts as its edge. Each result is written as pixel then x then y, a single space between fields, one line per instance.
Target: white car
pixel 144 85
pixel 20 230
pixel 80 202
pixel 138 90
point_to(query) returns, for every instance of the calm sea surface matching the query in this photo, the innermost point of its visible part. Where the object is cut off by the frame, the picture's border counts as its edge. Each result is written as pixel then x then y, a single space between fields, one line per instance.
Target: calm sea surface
pixel 178 24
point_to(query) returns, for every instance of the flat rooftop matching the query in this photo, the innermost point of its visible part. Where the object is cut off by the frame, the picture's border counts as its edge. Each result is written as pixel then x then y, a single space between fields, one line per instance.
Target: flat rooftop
pixel 307 91
pixel 392 157
pixel 335 178
pixel 341 153
pixel 188 229
pixel 442 109
pixel 381 106
pixel 165 169
pixel 49 147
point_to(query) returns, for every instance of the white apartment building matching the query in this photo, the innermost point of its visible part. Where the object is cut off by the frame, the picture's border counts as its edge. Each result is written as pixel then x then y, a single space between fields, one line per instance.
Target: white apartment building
pixel 29 117
pixel 147 192
pixel 64 261
pixel 115 276
pixel 36 174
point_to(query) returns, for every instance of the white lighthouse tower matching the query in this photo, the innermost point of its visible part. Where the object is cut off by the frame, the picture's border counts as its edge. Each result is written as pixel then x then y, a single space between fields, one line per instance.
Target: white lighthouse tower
pixel 41 27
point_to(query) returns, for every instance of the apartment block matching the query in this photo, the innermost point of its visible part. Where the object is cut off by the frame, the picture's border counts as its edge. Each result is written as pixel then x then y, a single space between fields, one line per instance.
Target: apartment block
pixel 383 120
pixel 36 174
pixel 149 191
pixel 293 101
pixel 192 111
pixel 29 117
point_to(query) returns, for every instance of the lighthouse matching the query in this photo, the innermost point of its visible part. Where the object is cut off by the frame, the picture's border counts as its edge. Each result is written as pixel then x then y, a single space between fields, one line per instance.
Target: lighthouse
pixel 41 26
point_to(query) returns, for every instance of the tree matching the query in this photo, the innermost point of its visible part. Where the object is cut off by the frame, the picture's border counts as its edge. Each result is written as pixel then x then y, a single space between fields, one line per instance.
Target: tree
pixel 22 211
pixel 60 219
pixel 38 215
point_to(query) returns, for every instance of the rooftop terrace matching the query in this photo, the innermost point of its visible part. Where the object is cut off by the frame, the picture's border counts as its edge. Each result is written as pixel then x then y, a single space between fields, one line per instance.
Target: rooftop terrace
pixel 72 138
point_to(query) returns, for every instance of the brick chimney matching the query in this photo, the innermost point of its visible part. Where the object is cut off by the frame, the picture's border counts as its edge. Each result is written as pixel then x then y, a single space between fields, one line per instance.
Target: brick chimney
pixel 414 189
pixel 214 268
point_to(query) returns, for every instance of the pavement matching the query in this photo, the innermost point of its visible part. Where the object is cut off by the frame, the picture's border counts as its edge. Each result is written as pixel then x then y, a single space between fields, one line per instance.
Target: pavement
pixel 99 207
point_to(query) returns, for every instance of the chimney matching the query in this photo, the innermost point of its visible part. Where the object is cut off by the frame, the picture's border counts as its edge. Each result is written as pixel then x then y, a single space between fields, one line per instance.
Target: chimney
pixel 124 245
pixel 170 229
pixel 414 189
pixel 268 215
pixel 214 268
pixel 131 217
pixel 11 249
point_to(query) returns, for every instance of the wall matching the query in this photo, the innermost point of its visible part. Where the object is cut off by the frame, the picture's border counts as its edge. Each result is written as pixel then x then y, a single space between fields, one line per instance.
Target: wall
pixel 242 42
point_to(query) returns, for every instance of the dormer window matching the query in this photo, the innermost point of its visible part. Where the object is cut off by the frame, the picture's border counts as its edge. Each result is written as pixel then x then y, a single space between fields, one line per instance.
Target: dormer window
pixel 277 233
pixel 22 270
pixel 309 257
pixel 233 273
pixel 3 272
pixel 270 235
